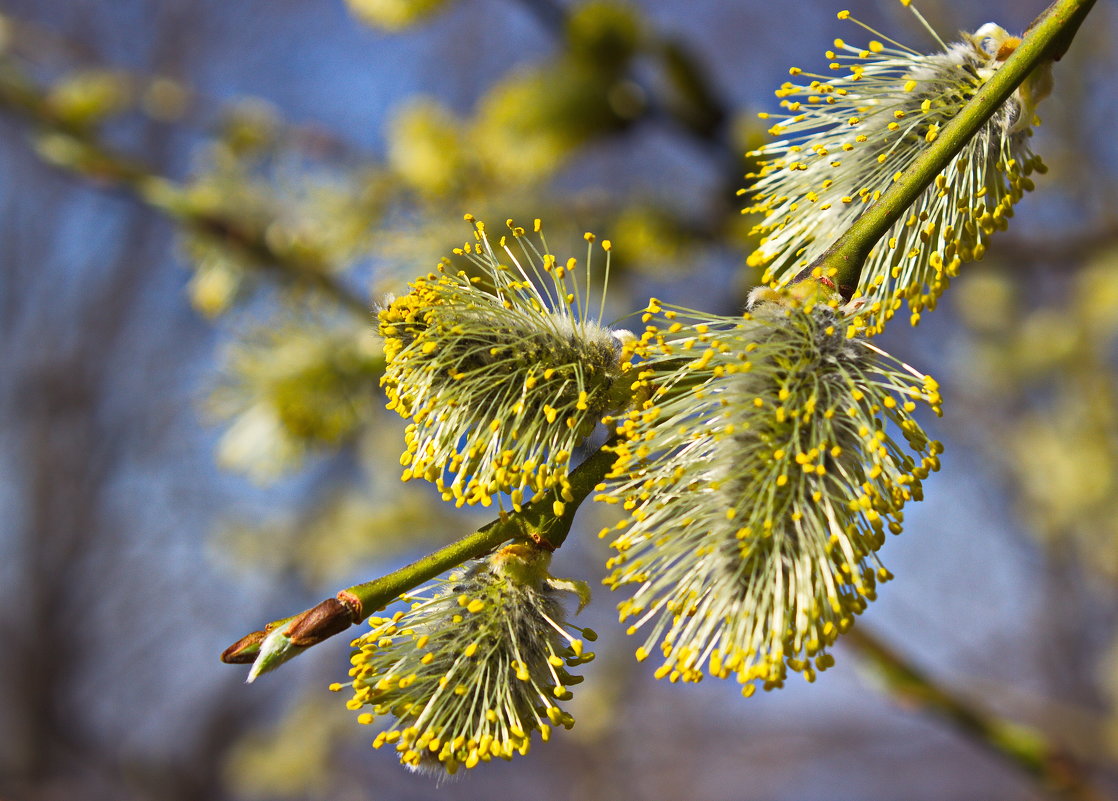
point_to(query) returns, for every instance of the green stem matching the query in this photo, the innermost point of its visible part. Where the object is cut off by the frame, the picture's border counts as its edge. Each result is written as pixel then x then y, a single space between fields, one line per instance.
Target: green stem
pixel 537 522
pixel 1023 747
pixel 1048 38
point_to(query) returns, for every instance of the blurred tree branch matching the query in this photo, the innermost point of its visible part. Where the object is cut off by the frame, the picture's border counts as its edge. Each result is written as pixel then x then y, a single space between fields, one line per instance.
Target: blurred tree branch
pixel 1028 749
pixel 80 150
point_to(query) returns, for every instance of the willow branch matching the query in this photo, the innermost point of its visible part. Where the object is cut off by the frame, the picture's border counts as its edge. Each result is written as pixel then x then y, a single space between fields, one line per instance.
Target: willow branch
pixel 1047 39
pixel 86 155
pixel 1025 748
pixel 282 640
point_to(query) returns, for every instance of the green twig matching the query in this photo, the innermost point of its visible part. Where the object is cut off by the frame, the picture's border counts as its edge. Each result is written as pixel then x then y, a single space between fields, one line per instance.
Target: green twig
pixel 284 639
pixel 1025 748
pixel 1048 38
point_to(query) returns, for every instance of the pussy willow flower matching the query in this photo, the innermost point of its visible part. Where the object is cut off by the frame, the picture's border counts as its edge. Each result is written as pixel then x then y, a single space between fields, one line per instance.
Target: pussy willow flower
pixel 759 477
pixel 503 370
pixel 846 138
pixel 475 666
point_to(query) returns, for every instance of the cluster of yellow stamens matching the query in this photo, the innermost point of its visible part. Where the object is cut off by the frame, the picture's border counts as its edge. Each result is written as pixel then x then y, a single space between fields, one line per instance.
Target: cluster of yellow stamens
pixel 759 476
pixel 474 667
pixel 502 369
pixel 846 138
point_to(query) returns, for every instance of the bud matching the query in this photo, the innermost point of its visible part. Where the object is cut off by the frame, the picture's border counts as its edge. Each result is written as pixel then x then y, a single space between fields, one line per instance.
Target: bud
pixel 394 15
pixel 87 97
pixel 283 640
pixel 245 650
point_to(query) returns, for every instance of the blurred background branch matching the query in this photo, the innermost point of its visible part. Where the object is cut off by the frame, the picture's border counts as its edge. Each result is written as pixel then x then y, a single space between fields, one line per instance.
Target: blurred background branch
pixel 1026 748
pixel 66 140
